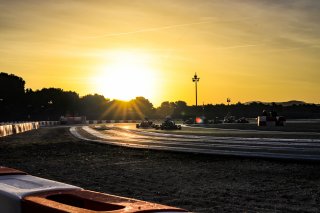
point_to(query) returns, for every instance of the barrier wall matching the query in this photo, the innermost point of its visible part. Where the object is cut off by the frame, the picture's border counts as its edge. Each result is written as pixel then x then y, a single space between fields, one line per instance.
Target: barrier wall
pixel 15 128
pixel 124 121
pixel 23 193
pixel 15 185
pixel 111 121
pixel 48 123
pixel 6 130
pixel 104 122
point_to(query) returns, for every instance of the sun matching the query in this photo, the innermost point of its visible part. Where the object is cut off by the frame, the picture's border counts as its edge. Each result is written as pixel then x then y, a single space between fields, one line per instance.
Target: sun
pixel 126 76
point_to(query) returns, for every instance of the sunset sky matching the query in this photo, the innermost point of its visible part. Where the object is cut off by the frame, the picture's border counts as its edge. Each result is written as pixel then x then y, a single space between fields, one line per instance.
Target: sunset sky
pixel 267 50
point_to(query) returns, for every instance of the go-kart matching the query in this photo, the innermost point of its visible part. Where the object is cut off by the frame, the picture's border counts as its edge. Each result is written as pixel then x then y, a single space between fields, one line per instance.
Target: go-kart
pixel 168 125
pixel 229 119
pixel 146 124
pixel 242 120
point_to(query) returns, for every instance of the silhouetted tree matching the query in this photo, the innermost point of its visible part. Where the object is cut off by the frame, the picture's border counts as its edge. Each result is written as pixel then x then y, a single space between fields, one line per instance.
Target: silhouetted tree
pixel 142 107
pixel 16 103
pixel 166 109
pixel 11 97
pixel 51 103
pixel 180 110
pixel 93 106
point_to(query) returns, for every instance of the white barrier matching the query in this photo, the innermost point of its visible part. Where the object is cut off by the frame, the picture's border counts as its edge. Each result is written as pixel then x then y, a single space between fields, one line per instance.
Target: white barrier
pixel 111 121
pixel 14 187
pixel 9 129
pixel 6 130
pixel 20 192
pixel 49 123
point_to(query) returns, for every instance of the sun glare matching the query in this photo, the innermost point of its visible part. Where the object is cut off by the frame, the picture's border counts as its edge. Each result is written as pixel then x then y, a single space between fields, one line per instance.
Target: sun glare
pixel 126 76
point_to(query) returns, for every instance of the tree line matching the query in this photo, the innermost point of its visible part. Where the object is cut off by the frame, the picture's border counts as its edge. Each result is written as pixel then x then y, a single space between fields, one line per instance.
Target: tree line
pixel 18 103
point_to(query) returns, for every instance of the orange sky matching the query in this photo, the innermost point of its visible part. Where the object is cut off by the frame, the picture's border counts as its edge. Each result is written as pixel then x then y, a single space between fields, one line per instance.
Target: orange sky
pixel 246 50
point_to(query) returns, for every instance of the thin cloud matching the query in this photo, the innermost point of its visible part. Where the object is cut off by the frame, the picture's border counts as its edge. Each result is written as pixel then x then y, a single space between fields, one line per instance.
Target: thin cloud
pixel 153 29
pixel 239 46
pixel 149 30
pixel 294 48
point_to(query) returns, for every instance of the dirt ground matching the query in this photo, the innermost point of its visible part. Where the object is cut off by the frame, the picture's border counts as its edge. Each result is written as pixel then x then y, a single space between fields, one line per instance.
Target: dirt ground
pixel 199 183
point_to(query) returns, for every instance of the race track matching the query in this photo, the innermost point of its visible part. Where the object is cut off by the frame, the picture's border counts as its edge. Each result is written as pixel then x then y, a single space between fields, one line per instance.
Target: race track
pixel 271 147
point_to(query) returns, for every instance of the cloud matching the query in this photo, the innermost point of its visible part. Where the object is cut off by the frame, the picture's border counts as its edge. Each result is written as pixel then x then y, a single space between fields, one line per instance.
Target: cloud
pixel 153 29
pixel 238 46
pixel 150 29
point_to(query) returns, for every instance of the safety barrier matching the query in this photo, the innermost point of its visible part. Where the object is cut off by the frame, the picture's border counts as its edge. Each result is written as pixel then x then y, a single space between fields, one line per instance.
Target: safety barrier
pixel 15 185
pixel 124 121
pixel 23 193
pixel 111 121
pixel 15 128
pixel 6 130
pixel 48 123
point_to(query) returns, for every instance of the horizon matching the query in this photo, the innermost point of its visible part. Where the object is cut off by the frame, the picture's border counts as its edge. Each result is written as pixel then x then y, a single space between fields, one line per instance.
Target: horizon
pixel 192 104
pixel 248 50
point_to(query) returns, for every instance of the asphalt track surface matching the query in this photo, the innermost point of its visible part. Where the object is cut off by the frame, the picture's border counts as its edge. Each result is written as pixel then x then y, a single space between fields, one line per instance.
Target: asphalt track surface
pixel 202 142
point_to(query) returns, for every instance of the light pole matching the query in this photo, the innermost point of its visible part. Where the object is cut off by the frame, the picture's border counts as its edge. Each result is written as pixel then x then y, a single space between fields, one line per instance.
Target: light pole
pixel 228 101
pixel 195 79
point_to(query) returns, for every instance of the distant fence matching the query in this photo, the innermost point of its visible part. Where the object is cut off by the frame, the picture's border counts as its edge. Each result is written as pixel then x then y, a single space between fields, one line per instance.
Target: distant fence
pixel 15 128
pixel 48 123
pixel 124 121
pixel 111 121
pixel 53 123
